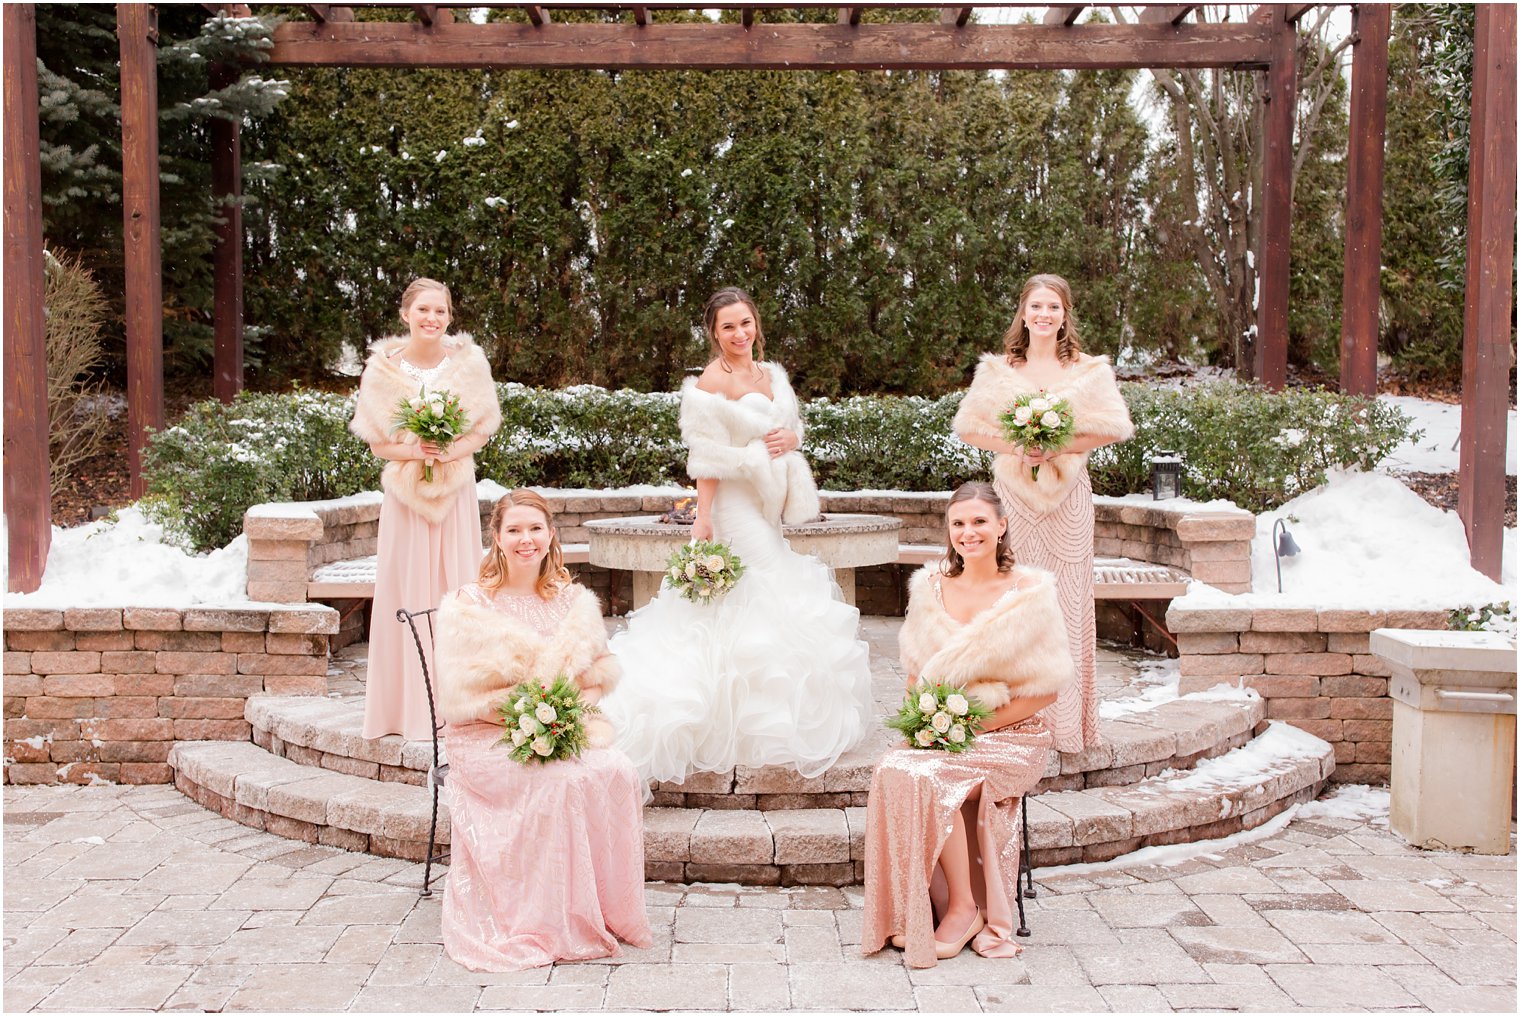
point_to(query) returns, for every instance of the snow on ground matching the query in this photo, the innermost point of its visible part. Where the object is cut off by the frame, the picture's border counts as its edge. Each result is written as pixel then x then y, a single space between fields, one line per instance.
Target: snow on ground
pixel 126 562
pixel 1352 801
pixel 1436 450
pixel 1157 683
pixel 1368 541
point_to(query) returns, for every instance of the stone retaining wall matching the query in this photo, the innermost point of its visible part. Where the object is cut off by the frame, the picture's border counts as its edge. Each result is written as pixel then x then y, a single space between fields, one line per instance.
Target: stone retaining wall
pixel 101 694
pixel 1311 665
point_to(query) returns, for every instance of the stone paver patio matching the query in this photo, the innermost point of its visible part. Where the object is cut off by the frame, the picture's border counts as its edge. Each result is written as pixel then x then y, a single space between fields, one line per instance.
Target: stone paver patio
pixel 134 897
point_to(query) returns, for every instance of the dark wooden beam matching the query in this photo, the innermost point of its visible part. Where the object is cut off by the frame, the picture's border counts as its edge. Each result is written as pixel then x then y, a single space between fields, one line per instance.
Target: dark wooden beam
pixel 640 15
pixel 28 491
pixel 1292 13
pixel 330 12
pixel 673 46
pixel 1295 12
pixel 538 15
pixel 431 14
pixel 1270 360
pixel 227 256
pixel 1361 287
pixel 136 28
pixel 1066 15
pixel 850 15
pixel 957 16
pixel 748 17
pixel 1166 14
pixel 1487 341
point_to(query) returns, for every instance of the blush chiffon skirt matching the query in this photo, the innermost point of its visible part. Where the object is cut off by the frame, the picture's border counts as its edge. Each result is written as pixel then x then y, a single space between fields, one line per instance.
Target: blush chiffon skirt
pixel 546 861
pixel 914 795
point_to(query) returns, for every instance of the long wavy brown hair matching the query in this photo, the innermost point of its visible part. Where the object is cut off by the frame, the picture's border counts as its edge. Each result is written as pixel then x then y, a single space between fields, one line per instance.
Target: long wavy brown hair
pixel 975 490
pixel 552 573
pixel 727 297
pixel 1068 342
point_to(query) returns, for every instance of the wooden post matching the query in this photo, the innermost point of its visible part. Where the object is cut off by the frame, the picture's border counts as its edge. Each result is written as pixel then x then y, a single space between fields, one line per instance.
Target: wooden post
pixel 227 188
pixel 1487 348
pixel 1361 289
pixel 28 492
pixel 1270 359
pixel 137 30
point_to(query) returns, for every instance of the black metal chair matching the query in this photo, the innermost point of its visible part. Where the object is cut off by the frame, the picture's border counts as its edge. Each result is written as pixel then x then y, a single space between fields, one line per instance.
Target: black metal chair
pixel 1024 885
pixel 438 772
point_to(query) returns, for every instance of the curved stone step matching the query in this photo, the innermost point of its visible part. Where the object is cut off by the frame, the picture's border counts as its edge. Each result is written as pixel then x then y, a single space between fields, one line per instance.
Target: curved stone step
pixel 796 846
pixel 326 732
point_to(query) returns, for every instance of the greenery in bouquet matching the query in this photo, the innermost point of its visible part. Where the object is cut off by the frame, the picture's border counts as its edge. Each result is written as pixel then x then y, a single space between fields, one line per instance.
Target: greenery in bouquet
pixel 435 417
pixel 939 716
pixel 703 570
pixel 545 724
pixel 1040 421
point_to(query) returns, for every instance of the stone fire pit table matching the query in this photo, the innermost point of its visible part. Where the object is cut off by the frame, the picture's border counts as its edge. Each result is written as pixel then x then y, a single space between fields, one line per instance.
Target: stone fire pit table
pixel 643 544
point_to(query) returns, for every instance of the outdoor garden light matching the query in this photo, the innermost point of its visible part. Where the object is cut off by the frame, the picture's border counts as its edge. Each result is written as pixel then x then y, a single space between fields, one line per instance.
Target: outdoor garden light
pixel 1166 475
pixel 1283 545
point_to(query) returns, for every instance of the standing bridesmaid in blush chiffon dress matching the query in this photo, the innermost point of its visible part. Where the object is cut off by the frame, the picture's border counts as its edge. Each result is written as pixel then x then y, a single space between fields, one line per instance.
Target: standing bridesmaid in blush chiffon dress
pixel 429 539
pixel 547 860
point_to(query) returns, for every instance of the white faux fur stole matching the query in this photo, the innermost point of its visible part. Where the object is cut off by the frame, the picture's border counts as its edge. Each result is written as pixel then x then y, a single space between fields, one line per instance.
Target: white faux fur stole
pixel 1014 649
pixel 381 389
pixel 1091 390
pixel 725 440
pixel 482 654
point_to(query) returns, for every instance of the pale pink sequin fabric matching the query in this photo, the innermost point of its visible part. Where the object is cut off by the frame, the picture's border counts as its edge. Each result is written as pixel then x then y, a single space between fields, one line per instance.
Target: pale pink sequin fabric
pixel 547 860
pixel 1061 542
pixel 914 795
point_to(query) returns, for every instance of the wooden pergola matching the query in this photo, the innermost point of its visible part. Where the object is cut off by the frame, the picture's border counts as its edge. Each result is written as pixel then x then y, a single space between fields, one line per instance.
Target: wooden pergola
pixel 1164 36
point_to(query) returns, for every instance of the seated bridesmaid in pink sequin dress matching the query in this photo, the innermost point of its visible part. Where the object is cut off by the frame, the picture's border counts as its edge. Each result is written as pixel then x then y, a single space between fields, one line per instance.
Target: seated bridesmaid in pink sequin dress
pixel 941 838
pixel 547 860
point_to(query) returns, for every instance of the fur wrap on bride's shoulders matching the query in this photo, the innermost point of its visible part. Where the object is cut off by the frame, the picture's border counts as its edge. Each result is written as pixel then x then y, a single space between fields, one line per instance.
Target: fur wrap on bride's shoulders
pixel 483 653
pixel 725 440
pixel 382 388
pixel 1098 409
pixel 1014 649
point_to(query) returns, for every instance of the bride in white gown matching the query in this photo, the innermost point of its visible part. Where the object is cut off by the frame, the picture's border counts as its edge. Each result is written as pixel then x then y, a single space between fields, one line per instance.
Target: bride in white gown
pixel 772 673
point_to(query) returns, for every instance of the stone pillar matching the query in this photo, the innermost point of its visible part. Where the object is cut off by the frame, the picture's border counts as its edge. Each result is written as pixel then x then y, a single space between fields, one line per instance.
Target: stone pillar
pixel 1453 737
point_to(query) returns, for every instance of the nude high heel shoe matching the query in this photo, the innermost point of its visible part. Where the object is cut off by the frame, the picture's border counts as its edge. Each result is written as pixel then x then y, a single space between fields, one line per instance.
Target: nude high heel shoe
pixel 946 950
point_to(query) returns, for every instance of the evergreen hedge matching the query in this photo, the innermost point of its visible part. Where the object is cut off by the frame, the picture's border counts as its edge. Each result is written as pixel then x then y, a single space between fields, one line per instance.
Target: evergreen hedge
pixel 1256 448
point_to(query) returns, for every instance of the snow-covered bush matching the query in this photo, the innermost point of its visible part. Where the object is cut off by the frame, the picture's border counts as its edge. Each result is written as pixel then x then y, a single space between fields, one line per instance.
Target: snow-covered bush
pixel 889 442
pixel 204 472
pixel 1257 448
pixel 1495 617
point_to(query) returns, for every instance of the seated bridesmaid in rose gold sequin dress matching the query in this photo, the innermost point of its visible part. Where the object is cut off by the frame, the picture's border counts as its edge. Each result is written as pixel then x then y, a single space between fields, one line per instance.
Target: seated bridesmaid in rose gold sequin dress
pixel 547 860
pixel 942 844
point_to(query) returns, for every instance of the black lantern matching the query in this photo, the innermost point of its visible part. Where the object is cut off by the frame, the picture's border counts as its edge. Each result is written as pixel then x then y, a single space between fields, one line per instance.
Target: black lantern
pixel 1166 475
pixel 1283 546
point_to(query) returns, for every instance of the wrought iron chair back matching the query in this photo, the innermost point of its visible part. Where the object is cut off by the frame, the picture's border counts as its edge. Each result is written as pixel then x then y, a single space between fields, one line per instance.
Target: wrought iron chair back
pixel 439 770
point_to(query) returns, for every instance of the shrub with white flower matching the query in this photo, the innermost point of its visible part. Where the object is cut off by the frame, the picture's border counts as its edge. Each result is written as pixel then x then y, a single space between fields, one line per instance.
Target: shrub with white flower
pixel 939 716
pixel 1039 421
pixel 436 417
pixel 544 724
pixel 702 571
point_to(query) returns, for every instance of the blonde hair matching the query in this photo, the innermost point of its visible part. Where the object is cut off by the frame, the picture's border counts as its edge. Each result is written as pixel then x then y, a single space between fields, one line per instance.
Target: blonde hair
pixel 975 490
pixel 1068 342
pixel 420 286
pixel 728 296
pixel 552 573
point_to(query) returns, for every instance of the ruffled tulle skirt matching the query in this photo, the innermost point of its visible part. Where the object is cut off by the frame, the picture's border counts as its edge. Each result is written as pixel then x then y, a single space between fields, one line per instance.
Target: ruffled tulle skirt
pixel 771 674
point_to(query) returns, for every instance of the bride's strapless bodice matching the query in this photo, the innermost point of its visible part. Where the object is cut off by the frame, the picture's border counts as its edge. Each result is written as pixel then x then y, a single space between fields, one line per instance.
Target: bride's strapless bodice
pixel 736 514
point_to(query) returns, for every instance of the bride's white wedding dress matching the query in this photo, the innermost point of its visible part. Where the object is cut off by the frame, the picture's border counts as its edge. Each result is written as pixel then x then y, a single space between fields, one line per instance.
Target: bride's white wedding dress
pixel 770 674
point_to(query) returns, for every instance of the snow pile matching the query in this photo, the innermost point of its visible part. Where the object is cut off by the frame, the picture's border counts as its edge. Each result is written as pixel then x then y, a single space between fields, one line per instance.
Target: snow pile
pixel 1436 450
pixel 1157 684
pixel 126 561
pixel 1242 765
pixel 1366 541
pixel 1355 802
pixel 1175 853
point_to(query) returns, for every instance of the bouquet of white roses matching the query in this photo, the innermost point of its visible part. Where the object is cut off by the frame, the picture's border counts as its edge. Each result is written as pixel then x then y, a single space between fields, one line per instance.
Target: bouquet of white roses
pixel 545 724
pixel 939 716
pixel 703 570
pixel 435 417
pixel 1040 421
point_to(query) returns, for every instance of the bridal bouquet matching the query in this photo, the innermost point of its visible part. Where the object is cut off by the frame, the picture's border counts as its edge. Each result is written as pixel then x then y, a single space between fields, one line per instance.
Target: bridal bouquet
pixel 702 571
pixel 435 417
pixel 545 724
pixel 939 716
pixel 1040 421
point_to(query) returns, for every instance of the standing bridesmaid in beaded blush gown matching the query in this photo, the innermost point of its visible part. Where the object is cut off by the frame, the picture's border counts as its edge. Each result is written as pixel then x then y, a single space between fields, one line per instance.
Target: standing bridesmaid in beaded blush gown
pixel 1050 518
pixel 547 860
pixel 429 539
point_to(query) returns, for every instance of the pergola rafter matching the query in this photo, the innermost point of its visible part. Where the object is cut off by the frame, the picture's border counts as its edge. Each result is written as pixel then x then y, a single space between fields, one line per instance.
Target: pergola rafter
pixel 1170 35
